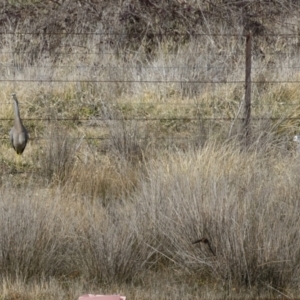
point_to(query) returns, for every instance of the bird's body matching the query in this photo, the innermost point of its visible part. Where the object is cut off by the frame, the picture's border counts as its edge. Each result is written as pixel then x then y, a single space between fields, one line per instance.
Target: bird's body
pixel 18 134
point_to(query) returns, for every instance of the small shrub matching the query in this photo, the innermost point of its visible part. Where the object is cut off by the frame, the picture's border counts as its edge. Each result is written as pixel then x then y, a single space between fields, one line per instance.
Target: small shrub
pixel 58 157
pixel 128 140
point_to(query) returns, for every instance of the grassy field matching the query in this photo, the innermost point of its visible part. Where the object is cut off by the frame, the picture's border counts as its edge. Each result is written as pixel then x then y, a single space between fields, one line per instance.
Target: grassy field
pixel 121 177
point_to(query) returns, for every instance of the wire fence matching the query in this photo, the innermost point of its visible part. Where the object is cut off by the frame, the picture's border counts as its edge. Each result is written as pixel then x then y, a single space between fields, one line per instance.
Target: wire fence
pixel 166 33
pixel 146 81
pixel 16 68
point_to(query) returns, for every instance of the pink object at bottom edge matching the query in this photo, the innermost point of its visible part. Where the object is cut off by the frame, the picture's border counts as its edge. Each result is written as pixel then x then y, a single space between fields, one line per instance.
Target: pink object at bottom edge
pixel 101 297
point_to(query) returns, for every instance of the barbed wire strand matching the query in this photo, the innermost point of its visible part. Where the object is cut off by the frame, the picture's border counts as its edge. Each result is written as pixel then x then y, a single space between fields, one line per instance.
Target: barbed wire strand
pixel 146 81
pixel 153 34
pixel 156 119
pixel 109 67
pixel 106 138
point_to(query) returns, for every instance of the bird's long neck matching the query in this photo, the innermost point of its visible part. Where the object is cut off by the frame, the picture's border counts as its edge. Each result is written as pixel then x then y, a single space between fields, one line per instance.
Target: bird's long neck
pixel 17 113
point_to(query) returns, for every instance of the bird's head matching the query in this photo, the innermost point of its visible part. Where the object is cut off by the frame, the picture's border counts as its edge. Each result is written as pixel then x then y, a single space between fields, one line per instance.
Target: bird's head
pixel 14 97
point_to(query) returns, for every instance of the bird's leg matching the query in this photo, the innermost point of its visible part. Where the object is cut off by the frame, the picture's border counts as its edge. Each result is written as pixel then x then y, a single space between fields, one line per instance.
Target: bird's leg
pixel 18 161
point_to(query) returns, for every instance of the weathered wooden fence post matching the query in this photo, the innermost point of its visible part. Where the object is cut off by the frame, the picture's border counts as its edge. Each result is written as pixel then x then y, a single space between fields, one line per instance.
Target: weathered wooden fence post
pixel 247 112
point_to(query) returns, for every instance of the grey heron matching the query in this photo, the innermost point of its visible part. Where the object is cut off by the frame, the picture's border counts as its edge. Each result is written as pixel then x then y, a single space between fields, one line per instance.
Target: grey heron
pixel 18 134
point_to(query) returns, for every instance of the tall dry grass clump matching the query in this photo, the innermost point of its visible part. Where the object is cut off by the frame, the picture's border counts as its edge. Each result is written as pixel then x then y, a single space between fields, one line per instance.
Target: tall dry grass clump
pixel 109 249
pixel 103 180
pixel 34 238
pixel 245 204
pixel 128 140
pixel 58 157
pixel 46 234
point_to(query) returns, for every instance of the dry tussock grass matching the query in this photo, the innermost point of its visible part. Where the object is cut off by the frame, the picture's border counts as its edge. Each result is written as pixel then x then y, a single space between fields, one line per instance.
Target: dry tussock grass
pixel 103 180
pixel 244 203
pixel 33 243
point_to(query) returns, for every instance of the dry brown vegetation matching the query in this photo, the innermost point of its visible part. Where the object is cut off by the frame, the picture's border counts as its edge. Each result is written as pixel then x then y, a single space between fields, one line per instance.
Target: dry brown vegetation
pixel 121 177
